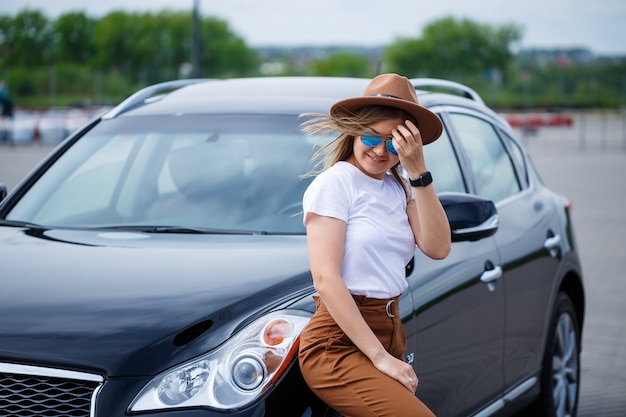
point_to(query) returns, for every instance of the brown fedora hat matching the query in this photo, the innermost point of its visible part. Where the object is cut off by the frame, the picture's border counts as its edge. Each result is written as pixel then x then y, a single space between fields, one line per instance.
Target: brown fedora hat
pixel 393 90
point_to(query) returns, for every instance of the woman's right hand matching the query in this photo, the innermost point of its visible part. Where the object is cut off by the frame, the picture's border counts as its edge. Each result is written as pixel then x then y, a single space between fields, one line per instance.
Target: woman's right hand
pixel 398 370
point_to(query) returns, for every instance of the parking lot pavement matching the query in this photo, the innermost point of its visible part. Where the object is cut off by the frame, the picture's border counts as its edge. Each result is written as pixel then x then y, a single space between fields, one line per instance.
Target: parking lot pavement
pixel 17 160
pixel 590 173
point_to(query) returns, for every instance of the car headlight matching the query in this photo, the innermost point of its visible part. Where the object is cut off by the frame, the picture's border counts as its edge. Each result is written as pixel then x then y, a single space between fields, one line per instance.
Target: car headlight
pixel 233 375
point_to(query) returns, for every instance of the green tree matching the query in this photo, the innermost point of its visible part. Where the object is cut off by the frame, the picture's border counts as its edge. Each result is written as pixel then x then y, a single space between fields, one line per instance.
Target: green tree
pixel 113 38
pixel 452 48
pixel 150 47
pixel 74 34
pixel 342 63
pixel 224 54
pixel 159 46
pixel 6 34
pixel 171 34
pixel 26 39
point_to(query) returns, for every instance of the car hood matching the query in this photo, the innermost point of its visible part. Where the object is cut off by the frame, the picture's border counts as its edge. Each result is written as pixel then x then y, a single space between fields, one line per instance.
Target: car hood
pixel 126 303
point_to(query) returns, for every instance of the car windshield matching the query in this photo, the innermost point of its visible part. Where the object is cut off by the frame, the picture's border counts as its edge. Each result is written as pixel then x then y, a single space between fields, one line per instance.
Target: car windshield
pixel 186 173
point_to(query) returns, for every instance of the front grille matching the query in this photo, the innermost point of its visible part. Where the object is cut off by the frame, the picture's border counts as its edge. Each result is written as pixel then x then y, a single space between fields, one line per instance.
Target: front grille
pixel 28 395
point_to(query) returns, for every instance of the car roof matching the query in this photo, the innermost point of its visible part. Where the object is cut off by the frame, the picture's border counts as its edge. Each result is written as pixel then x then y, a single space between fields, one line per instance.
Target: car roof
pixel 275 95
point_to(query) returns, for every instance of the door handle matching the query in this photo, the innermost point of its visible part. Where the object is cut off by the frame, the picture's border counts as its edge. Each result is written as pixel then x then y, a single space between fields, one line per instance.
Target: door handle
pixel 490 275
pixel 553 244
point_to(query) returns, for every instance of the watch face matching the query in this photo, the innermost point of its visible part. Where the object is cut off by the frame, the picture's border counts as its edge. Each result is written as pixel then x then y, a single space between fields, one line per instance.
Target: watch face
pixel 426 178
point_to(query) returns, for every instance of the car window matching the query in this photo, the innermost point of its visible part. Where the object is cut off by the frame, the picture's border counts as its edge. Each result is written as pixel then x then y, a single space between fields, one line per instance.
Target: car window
pixel 444 165
pixel 491 165
pixel 220 172
pixel 517 155
pixel 83 181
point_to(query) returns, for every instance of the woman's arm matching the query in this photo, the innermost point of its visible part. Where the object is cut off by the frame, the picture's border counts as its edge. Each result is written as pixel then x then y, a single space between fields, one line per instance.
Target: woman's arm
pixel 326 238
pixel 426 215
pixel 429 223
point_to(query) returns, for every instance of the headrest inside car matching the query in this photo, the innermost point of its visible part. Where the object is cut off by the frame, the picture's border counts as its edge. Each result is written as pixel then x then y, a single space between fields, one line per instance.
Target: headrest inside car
pixel 200 170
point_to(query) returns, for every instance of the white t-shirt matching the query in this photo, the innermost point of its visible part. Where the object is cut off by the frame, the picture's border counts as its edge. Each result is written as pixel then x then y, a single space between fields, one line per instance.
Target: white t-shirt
pixel 379 240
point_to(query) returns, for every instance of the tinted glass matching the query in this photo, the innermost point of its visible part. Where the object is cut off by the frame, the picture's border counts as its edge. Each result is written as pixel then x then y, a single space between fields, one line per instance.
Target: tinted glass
pixel 442 161
pixel 228 172
pixel 517 155
pixel 491 165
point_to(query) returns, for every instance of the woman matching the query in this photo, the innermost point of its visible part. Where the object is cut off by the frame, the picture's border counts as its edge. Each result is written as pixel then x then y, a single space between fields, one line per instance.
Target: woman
pixel 363 221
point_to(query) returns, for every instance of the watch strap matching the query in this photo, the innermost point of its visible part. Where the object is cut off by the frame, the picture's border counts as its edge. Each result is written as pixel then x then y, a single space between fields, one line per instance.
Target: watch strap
pixel 422 181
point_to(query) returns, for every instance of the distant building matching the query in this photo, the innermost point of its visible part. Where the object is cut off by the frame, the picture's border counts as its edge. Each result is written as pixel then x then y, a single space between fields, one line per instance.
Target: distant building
pixel 562 57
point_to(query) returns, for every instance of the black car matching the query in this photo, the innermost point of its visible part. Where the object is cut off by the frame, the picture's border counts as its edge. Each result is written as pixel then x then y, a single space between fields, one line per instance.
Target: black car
pixel 155 263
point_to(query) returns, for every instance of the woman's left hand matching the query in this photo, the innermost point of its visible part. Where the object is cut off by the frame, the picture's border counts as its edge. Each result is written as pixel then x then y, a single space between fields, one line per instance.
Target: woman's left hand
pixel 398 370
pixel 407 141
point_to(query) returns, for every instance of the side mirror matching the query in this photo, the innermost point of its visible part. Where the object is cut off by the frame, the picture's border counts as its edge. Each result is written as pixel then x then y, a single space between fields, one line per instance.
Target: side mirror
pixel 3 191
pixel 471 217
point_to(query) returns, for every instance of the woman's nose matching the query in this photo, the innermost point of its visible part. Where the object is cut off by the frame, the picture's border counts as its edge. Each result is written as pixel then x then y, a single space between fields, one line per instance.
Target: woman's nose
pixel 381 147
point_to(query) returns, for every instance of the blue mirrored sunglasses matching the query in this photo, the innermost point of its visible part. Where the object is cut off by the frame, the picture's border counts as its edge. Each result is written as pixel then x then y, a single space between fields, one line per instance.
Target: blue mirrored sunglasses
pixel 372 141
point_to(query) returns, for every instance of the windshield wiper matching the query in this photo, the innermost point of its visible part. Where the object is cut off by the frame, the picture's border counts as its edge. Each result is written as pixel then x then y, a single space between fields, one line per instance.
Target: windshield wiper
pixel 20 223
pixel 204 230
pixel 183 230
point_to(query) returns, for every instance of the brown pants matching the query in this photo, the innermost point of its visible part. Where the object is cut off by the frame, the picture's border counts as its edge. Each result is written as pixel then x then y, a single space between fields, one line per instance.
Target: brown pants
pixel 343 377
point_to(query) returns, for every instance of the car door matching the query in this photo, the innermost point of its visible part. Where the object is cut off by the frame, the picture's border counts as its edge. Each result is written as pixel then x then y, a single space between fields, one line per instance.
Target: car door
pixel 456 334
pixel 528 238
pixel 530 244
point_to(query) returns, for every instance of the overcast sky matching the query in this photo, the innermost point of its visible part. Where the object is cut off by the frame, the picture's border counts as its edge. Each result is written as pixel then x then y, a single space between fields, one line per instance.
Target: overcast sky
pixel 599 25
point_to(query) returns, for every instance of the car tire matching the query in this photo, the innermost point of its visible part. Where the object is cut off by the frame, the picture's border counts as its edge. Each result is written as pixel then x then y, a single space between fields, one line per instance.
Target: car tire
pixel 560 376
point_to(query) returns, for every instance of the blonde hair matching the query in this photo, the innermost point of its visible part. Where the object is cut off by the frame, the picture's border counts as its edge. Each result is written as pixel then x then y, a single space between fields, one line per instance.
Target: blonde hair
pixel 347 128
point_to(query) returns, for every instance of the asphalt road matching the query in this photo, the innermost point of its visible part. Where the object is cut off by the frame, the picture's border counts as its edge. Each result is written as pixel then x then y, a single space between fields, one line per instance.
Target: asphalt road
pixel 586 163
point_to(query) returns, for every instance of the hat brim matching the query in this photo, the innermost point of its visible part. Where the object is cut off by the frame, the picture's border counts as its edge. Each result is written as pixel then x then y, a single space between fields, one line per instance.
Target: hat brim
pixel 428 123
